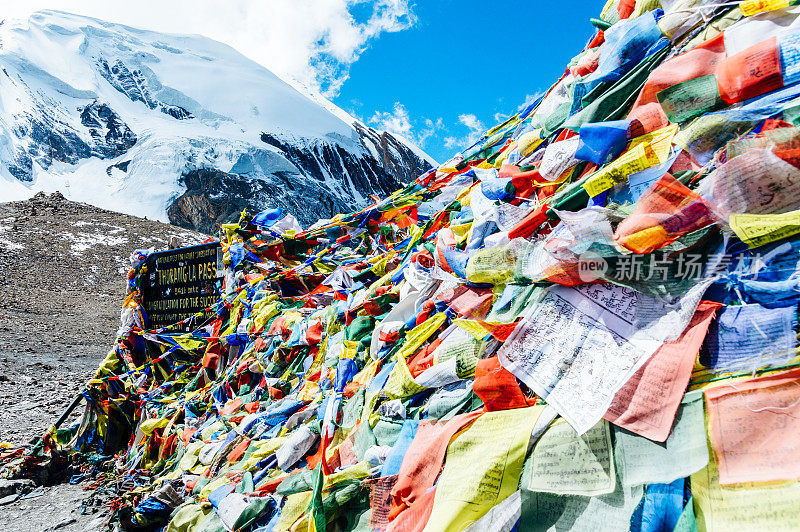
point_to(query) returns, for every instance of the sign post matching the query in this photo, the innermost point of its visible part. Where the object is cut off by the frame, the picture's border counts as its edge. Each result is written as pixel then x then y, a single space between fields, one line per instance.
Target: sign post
pixel 181 282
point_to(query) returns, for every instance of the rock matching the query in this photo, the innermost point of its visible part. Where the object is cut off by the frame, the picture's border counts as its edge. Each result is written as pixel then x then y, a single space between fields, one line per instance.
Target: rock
pixel 112 137
pixel 294 179
pixel 8 499
pixel 16 486
pixel 23 405
pixel 65 522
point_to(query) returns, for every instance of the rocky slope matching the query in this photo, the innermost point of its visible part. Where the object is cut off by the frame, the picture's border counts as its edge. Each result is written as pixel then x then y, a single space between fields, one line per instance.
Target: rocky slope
pixel 62 268
pixel 179 128
pixel 62 279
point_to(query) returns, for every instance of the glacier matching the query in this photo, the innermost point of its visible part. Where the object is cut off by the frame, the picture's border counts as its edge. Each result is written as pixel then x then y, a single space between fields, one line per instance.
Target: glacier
pixel 177 128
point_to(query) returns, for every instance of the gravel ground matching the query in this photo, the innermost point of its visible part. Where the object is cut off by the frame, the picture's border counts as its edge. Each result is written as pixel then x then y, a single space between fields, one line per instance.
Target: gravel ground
pixel 60 507
pixel 62 267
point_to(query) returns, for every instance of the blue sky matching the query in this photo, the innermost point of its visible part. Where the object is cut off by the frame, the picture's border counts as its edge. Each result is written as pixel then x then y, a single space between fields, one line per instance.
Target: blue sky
pixel 463 64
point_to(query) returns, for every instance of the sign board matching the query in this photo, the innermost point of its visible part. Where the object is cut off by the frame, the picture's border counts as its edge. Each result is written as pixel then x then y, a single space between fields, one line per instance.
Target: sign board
pixel 180 283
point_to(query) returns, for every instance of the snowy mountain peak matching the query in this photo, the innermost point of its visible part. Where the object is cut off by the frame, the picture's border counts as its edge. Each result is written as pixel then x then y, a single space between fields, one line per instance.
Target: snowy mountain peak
pixel 127 119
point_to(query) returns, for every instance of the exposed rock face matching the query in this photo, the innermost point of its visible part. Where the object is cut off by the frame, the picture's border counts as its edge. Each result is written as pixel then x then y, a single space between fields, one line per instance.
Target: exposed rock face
pixel 396 158
pixel 112 137
pixel 195 208
pixel 135 85
pixel 45 134
pixel 213 196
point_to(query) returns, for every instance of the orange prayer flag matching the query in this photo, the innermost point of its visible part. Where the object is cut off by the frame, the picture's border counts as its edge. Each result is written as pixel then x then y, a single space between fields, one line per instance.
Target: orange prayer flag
pixel 667 211
pixel 755 428
pixel 648 402
pixel 423 461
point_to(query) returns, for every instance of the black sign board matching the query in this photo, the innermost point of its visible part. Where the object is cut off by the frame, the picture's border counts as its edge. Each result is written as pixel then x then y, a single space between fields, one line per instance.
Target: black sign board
pixel 181 282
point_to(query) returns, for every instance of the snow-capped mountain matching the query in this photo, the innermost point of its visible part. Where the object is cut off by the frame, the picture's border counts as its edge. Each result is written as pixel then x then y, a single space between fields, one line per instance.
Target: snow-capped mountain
pixel 176 127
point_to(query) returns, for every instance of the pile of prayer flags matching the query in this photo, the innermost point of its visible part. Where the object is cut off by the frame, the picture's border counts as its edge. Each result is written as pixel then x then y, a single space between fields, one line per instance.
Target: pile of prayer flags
pixel 587 320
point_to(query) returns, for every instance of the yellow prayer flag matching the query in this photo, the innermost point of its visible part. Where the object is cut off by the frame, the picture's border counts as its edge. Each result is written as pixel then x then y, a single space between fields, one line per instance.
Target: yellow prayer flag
pixel 482 469
pixel 400 383
pixel 189 342
pixel 149 425
pixel 754 7
pixel 447 170
pixel 759 229
pixel 744 507
pixel 527 142
pixel 417 336
pixel 643 152
pixel 473 327
pixel 294 508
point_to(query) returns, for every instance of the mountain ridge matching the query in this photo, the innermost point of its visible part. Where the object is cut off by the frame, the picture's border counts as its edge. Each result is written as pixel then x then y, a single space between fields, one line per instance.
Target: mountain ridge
pixel 124 118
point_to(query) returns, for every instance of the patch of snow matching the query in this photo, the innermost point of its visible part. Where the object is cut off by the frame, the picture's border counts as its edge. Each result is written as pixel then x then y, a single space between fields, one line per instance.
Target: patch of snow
pixel 12 189
pixel 11 246
pixel 84 241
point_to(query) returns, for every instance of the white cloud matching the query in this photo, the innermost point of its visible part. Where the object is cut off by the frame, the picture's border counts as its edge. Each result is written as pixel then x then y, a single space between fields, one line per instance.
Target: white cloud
pixel 499 118
pixel 430 129
pixel 529 99
pixel 398 122
pixel 451 142
pixel 311 41
pixel 475 127
pixel 472 122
